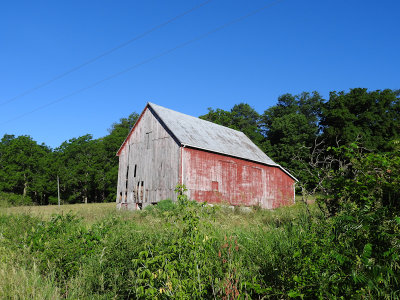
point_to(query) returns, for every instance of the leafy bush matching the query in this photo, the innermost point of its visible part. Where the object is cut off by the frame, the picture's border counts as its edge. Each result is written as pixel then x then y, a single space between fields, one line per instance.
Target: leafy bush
pixel 178 261
pixel 196 251
pixel 162 207
pixel 166 205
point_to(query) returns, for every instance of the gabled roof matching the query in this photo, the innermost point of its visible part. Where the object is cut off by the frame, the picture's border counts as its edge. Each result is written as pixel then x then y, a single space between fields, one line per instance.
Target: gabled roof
pixel 201 134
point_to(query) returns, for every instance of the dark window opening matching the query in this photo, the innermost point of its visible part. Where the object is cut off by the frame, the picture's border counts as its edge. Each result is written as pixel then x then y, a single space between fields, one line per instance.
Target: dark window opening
pixel 134 172
pixel 142 191
pixel 126 178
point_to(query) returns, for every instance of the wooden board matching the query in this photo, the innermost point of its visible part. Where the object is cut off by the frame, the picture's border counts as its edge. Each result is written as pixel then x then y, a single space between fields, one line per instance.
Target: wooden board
pixel 149 163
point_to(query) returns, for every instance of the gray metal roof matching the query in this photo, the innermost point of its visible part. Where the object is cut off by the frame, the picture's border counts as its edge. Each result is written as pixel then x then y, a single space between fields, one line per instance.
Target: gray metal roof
pixel 201 134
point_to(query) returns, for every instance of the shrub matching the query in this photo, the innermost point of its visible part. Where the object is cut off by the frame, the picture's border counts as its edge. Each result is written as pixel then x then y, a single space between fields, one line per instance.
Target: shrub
pixel 196 251
pixel 166 205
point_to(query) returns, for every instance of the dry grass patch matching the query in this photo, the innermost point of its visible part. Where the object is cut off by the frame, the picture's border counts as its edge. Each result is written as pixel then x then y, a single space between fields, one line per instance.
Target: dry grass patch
pixel 91 212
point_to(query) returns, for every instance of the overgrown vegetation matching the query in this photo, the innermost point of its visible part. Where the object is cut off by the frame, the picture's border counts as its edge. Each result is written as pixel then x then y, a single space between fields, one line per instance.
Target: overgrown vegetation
pixel 190 250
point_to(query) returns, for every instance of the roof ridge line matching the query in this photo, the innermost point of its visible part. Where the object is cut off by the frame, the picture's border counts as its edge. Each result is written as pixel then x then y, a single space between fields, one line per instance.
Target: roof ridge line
pixel 197 118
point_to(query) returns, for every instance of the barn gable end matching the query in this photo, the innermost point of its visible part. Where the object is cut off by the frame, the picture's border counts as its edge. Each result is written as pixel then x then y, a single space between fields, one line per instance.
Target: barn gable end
pixel 149 162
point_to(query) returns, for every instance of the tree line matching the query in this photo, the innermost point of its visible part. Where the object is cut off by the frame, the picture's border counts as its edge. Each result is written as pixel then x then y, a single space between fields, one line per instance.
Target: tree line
pixel 301 132
pixel 87 168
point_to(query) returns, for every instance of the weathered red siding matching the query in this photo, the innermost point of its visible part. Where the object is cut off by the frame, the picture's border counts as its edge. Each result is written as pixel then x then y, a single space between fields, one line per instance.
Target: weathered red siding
pixel 217 178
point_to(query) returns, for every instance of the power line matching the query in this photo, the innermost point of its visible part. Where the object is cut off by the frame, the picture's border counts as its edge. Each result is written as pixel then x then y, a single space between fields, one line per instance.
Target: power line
pixel 202 36
pixel 108 52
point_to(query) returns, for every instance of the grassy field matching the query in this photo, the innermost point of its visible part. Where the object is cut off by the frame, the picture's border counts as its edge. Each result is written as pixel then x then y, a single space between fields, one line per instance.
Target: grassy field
pixel 95 212
pixel 90 212
pixel 179 251
pixel 43 253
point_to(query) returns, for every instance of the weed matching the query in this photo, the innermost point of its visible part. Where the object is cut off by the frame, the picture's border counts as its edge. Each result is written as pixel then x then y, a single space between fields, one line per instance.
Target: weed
pixel 191 250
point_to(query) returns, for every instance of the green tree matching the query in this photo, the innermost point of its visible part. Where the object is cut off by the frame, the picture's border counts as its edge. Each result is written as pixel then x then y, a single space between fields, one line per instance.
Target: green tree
pixel 77 167
pixel 371 118
pixel 291 128
pixel 88 168
pixel 23 167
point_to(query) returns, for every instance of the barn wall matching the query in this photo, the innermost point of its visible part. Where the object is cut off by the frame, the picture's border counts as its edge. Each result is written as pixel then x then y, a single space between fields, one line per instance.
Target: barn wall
pixel 216 178
pixel 121 185
pixel 149 164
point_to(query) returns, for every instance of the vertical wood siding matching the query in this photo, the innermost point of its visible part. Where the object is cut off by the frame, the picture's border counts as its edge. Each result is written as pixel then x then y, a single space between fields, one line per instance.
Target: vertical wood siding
pixel 216 178
pixel 151 158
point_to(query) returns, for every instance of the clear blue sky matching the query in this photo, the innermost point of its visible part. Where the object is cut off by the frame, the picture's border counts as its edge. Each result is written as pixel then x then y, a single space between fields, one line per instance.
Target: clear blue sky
pixel 290 47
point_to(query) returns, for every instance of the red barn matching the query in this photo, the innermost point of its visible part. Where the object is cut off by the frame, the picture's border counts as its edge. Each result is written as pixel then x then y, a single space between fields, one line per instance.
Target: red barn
pixel 217 164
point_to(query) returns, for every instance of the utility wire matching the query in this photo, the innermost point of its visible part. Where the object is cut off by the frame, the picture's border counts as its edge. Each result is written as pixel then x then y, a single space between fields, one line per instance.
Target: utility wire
pixel 108 52
pixel 202 36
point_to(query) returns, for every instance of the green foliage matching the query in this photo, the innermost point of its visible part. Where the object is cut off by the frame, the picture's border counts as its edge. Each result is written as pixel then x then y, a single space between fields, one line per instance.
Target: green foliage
pixel 70 243
pixel 87 168
pixel 179 261
pixel 166 205
pixel 187 253
pixel 291 128
pixel 19 282
pixel 23 167
pixel 361 181
pixel 11 199
pixel 370 117
pixel 362 198
pixel 376 181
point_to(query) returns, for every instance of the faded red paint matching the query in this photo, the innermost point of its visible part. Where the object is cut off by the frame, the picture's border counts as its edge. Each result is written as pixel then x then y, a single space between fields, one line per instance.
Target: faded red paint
pixel 217 178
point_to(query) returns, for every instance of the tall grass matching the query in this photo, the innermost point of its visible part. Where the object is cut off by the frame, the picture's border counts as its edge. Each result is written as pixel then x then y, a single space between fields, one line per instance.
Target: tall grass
pixel 17 282
pixel 187 251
